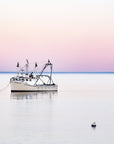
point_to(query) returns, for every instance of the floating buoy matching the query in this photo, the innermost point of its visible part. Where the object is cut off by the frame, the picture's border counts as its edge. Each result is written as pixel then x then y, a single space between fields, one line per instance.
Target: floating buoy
pixel 93 125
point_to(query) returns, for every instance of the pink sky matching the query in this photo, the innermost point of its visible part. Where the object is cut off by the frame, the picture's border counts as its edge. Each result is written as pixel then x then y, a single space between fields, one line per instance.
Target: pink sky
pixel 75 35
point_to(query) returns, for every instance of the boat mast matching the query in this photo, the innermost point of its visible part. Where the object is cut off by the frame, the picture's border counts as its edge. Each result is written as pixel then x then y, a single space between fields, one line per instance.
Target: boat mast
pixel 17 68
pixel 36 68
pixel 51 66
pixel 27 65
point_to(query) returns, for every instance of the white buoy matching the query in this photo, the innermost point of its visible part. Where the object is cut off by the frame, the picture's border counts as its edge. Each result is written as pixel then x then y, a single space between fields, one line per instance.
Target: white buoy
pixel 93 125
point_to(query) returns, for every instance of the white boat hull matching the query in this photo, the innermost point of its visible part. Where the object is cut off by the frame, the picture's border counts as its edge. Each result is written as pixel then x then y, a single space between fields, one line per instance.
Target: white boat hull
pixel 24 87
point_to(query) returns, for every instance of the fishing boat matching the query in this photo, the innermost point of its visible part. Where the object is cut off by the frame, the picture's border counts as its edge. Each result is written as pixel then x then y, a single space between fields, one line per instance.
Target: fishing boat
pixel 26 81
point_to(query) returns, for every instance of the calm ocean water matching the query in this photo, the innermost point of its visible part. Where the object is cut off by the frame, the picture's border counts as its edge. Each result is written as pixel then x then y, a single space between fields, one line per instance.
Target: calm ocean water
pixel 62 117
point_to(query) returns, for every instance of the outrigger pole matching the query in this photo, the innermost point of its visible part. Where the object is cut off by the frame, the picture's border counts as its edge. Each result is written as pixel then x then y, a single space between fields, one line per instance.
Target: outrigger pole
pixel 27 65
pixel 17 68
pixel 47 64
pixel 36 65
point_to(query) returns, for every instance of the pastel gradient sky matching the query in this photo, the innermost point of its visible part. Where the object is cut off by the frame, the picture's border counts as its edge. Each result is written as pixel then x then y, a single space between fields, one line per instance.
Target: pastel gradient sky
pixel 76 35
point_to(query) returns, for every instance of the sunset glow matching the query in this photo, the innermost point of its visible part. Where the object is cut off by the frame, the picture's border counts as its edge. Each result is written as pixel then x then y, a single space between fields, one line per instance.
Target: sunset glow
pixel 77 36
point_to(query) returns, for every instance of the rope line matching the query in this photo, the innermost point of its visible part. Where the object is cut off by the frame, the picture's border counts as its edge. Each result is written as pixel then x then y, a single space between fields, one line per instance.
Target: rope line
pixel 5 87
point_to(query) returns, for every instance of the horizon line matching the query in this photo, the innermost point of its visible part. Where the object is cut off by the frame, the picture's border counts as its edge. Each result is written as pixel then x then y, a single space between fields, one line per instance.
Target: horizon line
pixel 57 72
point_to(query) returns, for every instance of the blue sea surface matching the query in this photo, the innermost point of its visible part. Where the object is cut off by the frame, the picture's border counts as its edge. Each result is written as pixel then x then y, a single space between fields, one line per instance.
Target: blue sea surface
pixel 62 117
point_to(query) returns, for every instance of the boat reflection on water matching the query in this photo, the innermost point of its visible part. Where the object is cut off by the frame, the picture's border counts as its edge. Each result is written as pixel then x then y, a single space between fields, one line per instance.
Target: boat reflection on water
pixel 32 95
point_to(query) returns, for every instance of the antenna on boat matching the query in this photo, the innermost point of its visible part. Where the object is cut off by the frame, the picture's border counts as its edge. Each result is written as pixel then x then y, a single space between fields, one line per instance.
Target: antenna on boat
pixel 27 65
pixel 17 68
pixel 36 65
